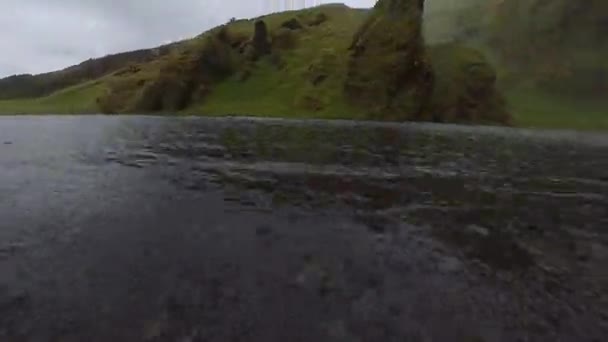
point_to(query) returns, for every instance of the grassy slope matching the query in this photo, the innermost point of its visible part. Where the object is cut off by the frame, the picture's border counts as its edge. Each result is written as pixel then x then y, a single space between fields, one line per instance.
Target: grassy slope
pixel 272 92
pixel 73 100
pixel 532 108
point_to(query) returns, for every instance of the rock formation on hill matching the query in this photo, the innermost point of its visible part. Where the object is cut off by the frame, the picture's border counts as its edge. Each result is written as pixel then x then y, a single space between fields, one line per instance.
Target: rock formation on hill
pixel 388 72
pixel 260 43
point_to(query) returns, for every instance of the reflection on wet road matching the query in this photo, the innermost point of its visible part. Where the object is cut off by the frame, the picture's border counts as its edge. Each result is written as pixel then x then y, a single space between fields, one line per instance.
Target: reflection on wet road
pixel 151 229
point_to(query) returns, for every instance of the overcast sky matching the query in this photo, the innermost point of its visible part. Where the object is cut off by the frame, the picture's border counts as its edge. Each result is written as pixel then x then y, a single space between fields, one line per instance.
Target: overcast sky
pixel 45 35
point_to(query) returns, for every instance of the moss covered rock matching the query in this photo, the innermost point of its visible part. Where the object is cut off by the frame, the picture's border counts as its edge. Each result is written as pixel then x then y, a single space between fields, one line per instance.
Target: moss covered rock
pixel 260 43
pixel 388 71
pixel 465 87
pixel 167 93
pixel 182 78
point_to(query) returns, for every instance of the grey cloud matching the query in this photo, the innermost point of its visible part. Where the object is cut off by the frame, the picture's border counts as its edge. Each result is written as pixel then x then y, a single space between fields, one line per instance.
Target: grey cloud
pixel 45 35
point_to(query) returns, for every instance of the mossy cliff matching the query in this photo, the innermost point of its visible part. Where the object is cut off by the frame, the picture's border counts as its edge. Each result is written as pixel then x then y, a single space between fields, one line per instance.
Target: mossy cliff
pixel 329 61
pixel 465 87
pixel 389 73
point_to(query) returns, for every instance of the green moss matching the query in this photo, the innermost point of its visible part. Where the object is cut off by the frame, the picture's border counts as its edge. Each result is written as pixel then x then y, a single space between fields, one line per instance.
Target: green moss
pixel 284 39
pixel 288 91
pixel 465 87
pixel 323 67
pixel 388 72
pixel 172 83
pixel 73 100
pixel 274 94
pixel 533 108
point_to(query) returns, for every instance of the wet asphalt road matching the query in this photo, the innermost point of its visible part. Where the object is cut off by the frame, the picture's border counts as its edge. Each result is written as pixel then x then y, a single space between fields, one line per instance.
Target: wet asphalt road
pixel 152 229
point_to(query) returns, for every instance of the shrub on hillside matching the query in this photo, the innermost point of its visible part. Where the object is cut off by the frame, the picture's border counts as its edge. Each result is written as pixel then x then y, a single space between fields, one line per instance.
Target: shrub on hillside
pixel 216 59
pixel 292 24
pixel 171 90
pixel 322 67
pixel 284 39
pixel 189 76
pixel 150 98
pixel 318 19
pixel 465 87
pixel 120 92
pixel 106 103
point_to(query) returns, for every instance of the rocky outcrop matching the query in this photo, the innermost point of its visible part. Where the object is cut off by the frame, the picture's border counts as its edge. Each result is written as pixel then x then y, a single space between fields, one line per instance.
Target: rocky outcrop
pixel 260 44
pixel 186 77
pixel 388 71
pixel 465 87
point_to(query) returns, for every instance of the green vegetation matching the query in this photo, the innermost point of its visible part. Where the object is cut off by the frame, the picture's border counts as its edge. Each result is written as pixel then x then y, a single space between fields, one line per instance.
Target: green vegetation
pixel 73 100
pixel 332 61
pixel 465 86
pixel 532 108
pixel 388 70
pixel 550 55
pixel 305 82
pixel 236 69
pixel 30 86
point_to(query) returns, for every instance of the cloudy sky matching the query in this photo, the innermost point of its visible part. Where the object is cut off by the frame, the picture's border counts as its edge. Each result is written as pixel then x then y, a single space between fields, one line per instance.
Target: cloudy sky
pixel 45 35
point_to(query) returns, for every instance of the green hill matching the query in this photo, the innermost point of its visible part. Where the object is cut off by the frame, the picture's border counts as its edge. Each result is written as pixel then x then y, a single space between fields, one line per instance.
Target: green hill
pixel 330 61
pixel 31 86
pixel 550 54
pixel 78 99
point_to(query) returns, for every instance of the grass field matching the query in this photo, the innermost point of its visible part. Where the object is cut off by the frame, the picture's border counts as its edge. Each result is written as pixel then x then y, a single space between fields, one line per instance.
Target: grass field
pixel 536 110
pixel 80 99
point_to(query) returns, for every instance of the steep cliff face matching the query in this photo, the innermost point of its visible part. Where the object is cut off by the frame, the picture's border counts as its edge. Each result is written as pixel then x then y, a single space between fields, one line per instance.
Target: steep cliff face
pixel 388 70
